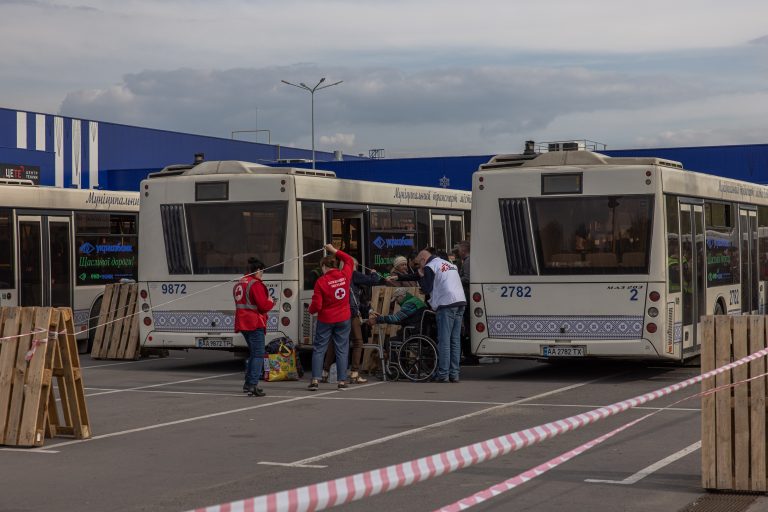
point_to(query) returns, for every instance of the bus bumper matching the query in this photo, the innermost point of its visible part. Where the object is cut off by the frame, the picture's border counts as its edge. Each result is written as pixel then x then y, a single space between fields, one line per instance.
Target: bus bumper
pixel 634 349
pixel 184 340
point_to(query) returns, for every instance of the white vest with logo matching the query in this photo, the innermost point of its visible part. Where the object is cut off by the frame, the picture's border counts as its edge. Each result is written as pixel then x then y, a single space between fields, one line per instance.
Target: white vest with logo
pixel 447 287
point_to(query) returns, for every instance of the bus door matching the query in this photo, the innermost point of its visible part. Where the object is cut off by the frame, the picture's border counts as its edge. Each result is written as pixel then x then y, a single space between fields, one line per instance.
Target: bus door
pixel 694 273
pixel 749 261
pixel 45 261
pixel 346 228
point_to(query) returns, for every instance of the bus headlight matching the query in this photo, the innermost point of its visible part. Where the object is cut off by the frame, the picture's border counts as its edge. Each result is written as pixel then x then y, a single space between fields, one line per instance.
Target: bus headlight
pixel 478 312
pixel 145 307
pixel 653 312
pixel 286 307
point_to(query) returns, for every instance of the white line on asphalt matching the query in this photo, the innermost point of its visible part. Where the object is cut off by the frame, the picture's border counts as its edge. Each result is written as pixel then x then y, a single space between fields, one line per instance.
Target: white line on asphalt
pixel 411 400
pixel 650 469
pixel 163 384
pixel 316 458
pixel 196 418
pixel 128 362
pixel 28 450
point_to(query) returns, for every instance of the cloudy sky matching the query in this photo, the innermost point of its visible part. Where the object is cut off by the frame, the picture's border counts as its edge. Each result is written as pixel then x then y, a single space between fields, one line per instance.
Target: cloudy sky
pixel 420 77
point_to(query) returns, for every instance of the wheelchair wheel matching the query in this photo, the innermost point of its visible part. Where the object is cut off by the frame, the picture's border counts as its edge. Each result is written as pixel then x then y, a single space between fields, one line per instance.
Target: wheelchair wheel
pixel 417 358
pixel 393 372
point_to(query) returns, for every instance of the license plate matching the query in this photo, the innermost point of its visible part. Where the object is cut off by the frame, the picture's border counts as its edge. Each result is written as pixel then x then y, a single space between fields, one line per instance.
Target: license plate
pixel 558 351
pixel 214 342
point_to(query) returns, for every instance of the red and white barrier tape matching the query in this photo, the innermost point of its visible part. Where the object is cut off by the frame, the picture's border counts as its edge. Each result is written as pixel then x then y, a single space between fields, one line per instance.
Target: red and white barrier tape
pixel 370 483
pixel 539 470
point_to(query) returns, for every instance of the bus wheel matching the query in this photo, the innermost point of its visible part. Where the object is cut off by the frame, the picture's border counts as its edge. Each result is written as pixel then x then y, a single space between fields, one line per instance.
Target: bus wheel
pixel 85 346
pixel 719 309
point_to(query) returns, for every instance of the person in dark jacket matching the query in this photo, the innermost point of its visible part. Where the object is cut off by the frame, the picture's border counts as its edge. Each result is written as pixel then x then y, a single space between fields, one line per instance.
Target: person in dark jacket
pixel 252 305
pixel 330 301
pixel 409 314
pixel 356 332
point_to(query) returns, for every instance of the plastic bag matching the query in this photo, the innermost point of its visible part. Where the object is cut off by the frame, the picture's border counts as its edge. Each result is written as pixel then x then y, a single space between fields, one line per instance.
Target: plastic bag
pixel 280 365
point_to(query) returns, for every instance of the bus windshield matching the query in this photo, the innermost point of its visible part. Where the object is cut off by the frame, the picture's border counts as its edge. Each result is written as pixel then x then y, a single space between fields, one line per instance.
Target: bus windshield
pixel 222 236
pixel 592 235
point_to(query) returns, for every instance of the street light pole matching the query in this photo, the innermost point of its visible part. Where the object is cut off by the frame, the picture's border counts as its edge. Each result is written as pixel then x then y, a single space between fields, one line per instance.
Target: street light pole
pixel 312 91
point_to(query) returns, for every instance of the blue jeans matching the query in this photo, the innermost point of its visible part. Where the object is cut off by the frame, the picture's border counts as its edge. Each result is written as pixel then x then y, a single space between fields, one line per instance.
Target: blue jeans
pixel 323 333
pixel 255 362
pixel 449 341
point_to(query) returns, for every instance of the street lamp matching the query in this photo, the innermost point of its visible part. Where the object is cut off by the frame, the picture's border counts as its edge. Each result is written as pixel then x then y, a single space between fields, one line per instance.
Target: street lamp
pixel 312 90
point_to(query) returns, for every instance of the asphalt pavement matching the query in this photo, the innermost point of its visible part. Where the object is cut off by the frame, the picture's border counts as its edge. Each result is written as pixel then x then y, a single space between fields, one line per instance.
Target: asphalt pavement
pixel 177 433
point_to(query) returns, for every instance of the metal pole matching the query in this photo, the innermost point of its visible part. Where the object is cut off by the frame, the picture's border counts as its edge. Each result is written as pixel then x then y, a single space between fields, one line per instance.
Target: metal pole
pixel 312 93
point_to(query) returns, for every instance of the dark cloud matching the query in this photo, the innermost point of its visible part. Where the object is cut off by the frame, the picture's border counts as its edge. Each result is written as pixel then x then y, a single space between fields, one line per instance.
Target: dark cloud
pixel 373 106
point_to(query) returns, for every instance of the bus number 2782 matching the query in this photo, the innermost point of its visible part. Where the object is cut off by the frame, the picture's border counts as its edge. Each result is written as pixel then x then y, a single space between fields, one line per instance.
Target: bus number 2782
pixel 522 292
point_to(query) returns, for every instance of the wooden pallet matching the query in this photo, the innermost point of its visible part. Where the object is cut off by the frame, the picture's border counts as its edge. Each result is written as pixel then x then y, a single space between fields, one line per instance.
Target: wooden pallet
pixel 381 303
pixel 117 334
pixel 27 366
pixel 733 419
pixel 72 420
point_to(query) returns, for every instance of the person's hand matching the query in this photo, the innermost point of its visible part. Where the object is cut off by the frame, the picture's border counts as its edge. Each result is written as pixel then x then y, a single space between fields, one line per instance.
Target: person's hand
pixel 391 279
pixel 421 271
pixel 371 321
pixel 330 249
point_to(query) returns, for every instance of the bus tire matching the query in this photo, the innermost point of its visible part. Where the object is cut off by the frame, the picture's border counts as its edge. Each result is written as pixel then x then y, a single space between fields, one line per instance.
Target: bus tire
pixel 93 321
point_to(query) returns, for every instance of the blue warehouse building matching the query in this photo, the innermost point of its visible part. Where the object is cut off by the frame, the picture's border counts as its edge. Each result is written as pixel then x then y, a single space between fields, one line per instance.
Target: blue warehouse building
pixel 69 152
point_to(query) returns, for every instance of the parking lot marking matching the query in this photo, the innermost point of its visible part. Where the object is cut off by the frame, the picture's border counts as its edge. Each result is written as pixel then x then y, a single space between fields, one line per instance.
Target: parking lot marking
pixel 308 461
pixel 129 362
pixel 27 450
pixel 163 384
pixel 650 469
pixel 196 418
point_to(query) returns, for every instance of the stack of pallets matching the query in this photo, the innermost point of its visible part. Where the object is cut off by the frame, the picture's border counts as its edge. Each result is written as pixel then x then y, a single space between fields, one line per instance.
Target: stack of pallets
pixel 38 345
pixel 117 333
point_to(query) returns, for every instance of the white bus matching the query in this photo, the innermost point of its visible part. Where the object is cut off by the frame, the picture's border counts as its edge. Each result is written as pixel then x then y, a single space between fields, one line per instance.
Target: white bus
pixel 200 224
pixel 59 247
pixel 578 254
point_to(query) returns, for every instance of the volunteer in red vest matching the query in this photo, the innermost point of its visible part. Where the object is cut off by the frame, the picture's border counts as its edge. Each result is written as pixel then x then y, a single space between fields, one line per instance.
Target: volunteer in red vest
pixel 331 303
pixel 252 305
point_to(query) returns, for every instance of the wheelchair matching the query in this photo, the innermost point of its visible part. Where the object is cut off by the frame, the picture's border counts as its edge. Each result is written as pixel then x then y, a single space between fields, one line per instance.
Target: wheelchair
pixel 414 356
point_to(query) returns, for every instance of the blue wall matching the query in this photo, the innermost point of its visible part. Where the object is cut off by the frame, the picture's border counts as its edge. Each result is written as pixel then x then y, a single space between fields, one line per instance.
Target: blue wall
pixel 126 154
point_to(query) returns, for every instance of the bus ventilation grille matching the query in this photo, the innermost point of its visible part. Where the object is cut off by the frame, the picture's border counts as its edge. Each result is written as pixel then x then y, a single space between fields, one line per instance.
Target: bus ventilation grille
pixel 670 332
pixel 517 240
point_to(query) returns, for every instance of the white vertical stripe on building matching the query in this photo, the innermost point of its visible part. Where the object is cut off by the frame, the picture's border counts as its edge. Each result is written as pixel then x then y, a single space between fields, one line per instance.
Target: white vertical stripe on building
pixel 21 130
pixel 40 132
pixel 58 148
pixel 93 154
pixel 77 150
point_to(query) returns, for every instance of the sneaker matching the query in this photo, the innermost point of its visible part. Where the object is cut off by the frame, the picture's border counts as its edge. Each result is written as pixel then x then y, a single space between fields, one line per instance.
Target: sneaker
pixel 246 387
pixel 313 386
pixel 455 380
pixel 324 376
pixel 440 380
pixel 342 385
pixel 256 391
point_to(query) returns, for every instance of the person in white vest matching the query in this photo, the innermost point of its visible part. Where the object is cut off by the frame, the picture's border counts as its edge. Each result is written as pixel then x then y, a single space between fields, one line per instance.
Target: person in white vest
pixel 441 281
